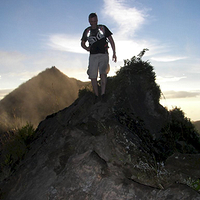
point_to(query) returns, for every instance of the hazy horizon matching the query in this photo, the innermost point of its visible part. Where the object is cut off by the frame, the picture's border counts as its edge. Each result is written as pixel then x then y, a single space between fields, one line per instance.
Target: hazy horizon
pixel 168 103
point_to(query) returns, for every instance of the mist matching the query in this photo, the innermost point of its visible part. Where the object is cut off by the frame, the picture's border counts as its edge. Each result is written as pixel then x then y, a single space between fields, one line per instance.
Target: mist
pixel 44 94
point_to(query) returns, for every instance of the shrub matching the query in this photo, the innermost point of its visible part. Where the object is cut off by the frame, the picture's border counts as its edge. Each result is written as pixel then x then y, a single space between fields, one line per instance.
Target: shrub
pixel 84 91
pixel 14 149
pixel 26 133
pixel 138 74
pixel 179 135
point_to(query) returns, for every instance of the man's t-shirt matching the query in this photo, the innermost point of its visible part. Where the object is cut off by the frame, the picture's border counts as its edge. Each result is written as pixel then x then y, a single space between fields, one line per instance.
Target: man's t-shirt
pixel 97 39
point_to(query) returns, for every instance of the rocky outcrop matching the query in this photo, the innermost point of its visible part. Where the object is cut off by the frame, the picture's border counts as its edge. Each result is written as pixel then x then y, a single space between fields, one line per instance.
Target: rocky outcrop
pixel 107 150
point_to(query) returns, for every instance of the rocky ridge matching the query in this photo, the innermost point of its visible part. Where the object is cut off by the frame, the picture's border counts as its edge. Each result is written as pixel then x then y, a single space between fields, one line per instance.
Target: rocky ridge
pixel 113 149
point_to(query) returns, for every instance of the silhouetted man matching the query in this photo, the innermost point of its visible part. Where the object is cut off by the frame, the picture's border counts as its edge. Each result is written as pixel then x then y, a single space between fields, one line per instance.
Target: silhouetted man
pixel 98 37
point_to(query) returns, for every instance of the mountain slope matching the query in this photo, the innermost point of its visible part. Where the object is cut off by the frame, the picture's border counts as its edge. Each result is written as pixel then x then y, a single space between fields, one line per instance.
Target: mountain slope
pixel 197 125
pixel 44 94
pixel 113 149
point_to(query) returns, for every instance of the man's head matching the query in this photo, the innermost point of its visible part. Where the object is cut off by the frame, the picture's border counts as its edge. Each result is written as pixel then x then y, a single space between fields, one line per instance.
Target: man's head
pixel 93 20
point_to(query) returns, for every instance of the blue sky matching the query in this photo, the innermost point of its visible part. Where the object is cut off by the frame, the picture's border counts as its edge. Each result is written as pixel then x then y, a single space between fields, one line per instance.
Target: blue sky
pixel 37 34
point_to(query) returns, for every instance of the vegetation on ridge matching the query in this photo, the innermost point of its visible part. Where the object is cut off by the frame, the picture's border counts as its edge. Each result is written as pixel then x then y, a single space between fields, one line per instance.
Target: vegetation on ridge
pixel 14 147
pixel 177 133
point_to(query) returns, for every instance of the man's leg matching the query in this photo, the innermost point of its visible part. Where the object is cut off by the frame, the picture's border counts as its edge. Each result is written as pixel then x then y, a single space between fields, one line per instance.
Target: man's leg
pixel 103 70
pixel 95 86
pixel 103 83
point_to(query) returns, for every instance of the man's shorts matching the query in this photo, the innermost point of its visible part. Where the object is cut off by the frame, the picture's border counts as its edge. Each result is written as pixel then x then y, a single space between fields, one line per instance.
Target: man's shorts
pixel 98 62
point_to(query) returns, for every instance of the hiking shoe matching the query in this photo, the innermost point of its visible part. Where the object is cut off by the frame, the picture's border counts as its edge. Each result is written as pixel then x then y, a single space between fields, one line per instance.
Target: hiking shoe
pixel 103 98
pixel 96 99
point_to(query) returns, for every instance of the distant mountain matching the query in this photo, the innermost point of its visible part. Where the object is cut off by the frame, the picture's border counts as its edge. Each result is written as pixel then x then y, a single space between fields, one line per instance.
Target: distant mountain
pixel 44 94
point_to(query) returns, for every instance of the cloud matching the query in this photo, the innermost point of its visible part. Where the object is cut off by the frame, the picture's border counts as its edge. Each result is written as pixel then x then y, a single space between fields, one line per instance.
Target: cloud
pixel 169 78
pixel 128 19
pixel 126 22
pixel 125 48
pixel 181 94
pixel 64 42
pixel 168 58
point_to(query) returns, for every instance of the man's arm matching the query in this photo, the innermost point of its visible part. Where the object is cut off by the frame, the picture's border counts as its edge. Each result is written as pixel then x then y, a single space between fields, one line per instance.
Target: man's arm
pixel 84 45
pixel 114 58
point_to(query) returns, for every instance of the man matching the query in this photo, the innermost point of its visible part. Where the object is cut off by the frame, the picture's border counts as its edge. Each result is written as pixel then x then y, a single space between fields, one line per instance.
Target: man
pixel 98 37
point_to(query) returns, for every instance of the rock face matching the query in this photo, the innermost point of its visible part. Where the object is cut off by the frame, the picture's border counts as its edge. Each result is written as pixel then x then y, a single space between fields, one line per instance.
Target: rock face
pixel 108 150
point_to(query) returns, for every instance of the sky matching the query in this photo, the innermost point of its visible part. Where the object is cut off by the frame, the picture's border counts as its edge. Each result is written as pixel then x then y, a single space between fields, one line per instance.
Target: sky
pixel 39 34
